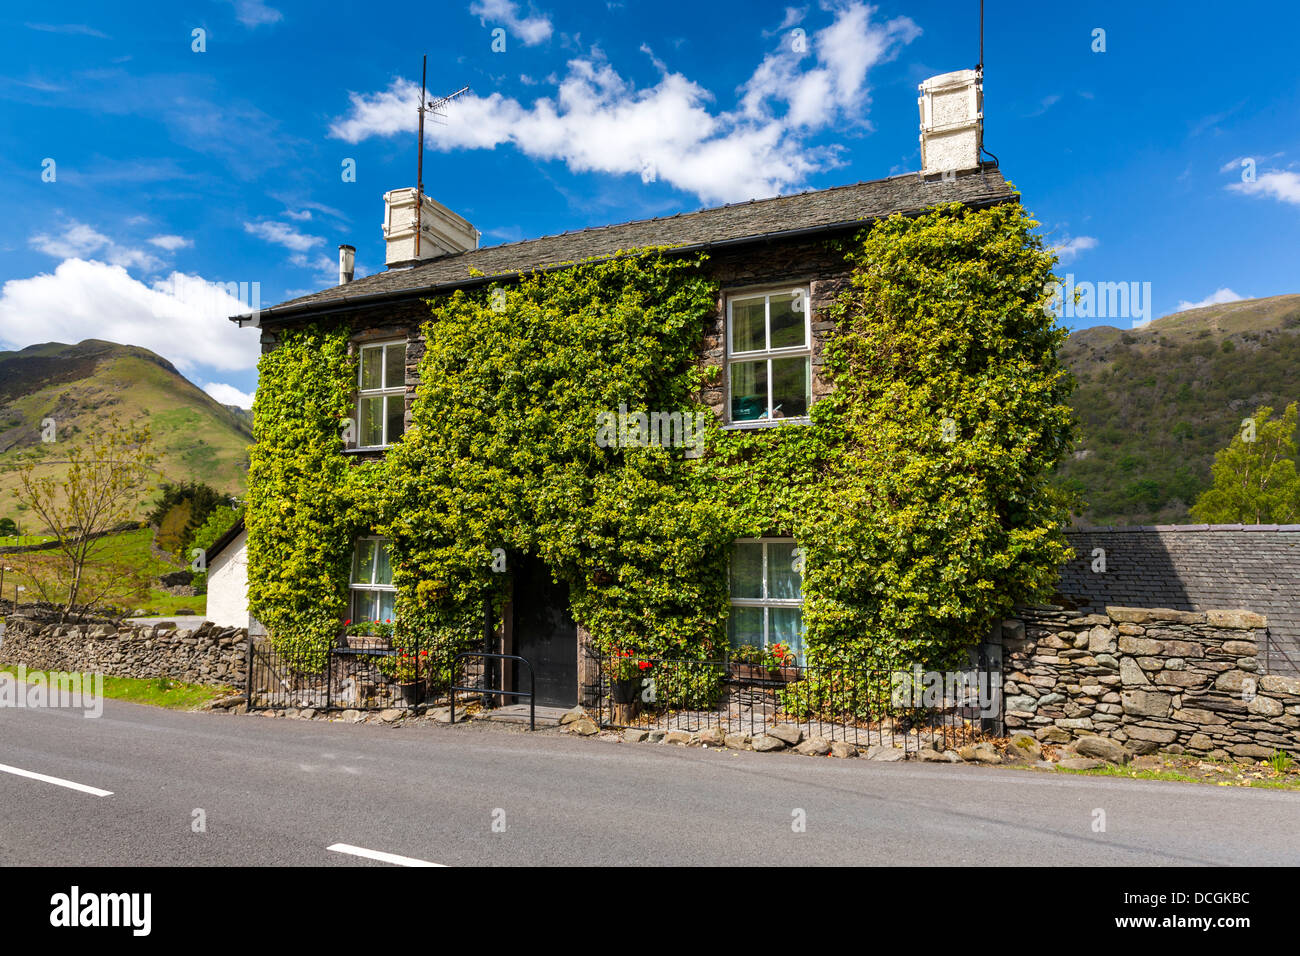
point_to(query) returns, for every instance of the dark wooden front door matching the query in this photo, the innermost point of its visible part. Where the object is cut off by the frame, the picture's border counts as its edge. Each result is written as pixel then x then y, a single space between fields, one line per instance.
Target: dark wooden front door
pixel 544 634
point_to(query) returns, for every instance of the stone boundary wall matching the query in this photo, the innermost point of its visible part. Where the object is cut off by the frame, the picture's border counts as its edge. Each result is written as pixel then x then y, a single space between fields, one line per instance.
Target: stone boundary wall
pixel 1152 679
pixel 208 654
pixel 52 545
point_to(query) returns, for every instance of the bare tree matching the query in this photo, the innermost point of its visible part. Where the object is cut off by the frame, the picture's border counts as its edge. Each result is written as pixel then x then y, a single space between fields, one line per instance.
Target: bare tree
pixel 105 478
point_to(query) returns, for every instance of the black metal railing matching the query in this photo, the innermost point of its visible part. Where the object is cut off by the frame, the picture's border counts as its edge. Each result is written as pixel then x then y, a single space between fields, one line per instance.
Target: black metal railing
pixel 881 706
pixel 1281 657
pixel 484 686
pixel 361 675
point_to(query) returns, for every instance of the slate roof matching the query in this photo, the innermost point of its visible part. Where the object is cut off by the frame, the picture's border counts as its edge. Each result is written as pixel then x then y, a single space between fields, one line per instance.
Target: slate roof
pixel 821 210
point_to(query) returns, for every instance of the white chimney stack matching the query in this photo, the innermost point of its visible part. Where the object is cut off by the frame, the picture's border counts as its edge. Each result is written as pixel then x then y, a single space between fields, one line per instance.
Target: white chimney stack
pixel 952 121
pixel 347 263
pixel 414 233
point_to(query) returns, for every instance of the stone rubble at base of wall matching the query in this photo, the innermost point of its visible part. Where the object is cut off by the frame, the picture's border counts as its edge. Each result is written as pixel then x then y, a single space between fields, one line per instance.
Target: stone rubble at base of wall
pixel 208 654
pixel 1153 679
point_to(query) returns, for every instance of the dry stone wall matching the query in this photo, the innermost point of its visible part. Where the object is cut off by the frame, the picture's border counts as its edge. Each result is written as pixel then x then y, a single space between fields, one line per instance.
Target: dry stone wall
pixel 1152 679
pixel 208 654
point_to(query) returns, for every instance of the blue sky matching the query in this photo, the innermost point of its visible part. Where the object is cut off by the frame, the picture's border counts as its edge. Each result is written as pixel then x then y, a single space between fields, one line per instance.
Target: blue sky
pixel 174 168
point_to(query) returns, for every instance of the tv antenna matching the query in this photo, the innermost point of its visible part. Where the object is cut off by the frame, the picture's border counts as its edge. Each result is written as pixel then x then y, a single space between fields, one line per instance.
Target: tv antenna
pixel 438 108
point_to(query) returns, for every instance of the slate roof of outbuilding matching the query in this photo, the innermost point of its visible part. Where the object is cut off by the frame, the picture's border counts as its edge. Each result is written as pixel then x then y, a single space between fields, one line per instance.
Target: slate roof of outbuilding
pixel 839 207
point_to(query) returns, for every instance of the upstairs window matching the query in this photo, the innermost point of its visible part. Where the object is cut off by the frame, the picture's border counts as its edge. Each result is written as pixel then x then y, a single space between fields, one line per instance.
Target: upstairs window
pixel 766 594
pixel 769 356
pixel 381 394
pixel 372 581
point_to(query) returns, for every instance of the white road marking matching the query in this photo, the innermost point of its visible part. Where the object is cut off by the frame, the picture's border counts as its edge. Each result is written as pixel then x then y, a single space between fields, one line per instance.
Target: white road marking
pixel 57 781
pixel 380 855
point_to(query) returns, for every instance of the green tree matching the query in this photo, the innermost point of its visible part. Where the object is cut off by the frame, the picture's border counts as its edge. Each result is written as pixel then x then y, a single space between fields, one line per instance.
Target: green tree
pixel 221 520
pixel 1255 479
pixel 181 509
pixel 106 476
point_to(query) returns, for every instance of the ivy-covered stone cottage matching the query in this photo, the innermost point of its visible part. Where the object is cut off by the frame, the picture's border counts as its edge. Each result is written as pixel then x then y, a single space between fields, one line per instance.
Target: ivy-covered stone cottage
pixel 821 421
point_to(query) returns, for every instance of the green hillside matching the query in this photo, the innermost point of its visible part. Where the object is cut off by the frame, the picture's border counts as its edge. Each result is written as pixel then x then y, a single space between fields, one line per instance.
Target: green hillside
pixel 1156 403
pixel 81 385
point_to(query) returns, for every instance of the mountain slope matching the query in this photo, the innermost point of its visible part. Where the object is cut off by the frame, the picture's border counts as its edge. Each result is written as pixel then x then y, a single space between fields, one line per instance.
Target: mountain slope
pixel 1155 403
pixel 83 385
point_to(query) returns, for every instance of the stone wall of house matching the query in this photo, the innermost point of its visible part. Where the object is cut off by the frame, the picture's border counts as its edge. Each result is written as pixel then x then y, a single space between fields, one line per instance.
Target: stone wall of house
pixel 809 261
pixel 208 654
pixel 1153 679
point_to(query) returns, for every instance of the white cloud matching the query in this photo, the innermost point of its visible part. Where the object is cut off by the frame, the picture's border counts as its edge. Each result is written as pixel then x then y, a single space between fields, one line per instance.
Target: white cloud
pixel 171 243
pixel 1282 185
pixel 1218 297
pixel 793 16
pixel 844 52
pixel 1070 249
pixel 229 395
pixel 77 240
pixel 182 319
pixel 283 235
pixel 532 30
pixel 70 28
pixel 600 122
pixel 255 13
pixel 1045 104
pixel 302 215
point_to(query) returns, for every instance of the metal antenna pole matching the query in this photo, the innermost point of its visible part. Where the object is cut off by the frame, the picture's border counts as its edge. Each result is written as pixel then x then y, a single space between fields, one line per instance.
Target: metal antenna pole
pixel 419 172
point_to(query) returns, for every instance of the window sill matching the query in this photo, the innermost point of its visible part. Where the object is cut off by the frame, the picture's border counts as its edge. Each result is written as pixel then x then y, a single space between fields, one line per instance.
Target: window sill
pixel 371 450
pixel 766 423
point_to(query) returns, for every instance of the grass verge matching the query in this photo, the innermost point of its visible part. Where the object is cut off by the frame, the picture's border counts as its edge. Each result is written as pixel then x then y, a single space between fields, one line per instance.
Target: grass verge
pixel 155 691
pixel 1192 770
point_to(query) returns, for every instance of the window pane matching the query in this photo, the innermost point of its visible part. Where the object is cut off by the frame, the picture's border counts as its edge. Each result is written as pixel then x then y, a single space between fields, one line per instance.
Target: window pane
pixel 385 605
pixel 363 563
pixel 783 581
pixel 383 567
pixel 747 325
pixel 785 626
pixel 372 367
pixel 396 416
pixel 748 391
pixel 790 387
pixel 745 626
pixel 746 570
pixel 364 607
pixel 370 423
pixel 395 366
pixel 788 329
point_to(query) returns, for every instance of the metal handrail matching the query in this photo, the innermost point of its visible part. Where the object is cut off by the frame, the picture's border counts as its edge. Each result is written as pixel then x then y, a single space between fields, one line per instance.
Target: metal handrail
pixel 1271 645
pixel 530 694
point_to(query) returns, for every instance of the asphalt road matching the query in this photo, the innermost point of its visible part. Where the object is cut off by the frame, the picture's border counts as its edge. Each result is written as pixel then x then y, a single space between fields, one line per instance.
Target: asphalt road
pixel 277 791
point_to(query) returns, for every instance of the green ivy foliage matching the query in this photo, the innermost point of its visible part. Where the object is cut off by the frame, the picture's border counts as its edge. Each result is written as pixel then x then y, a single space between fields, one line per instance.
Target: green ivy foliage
pixel 302 512
pixel 949 415
pixel 918 494
pixel 502 455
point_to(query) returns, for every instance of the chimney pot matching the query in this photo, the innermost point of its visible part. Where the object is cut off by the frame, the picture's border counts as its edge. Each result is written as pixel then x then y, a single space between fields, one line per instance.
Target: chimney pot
pixel 347 263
